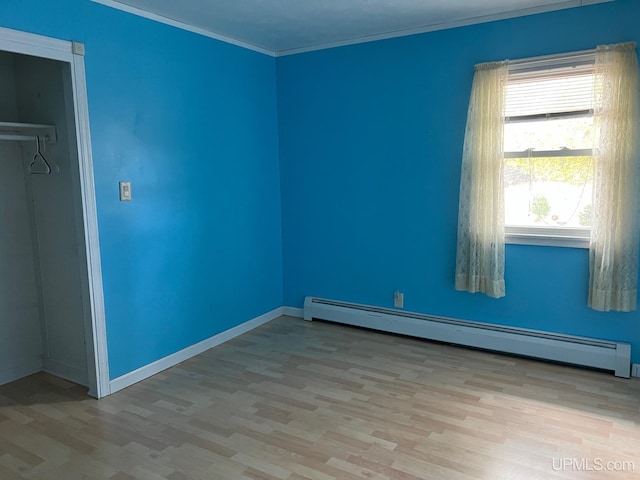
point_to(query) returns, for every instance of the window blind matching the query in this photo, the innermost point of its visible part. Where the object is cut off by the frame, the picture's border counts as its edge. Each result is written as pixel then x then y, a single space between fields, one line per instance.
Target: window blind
pixel 561 90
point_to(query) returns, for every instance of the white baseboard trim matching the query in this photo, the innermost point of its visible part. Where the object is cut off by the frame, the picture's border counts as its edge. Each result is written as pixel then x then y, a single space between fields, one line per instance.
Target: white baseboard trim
pixel 14 372
pixel 169 361
pixel 293 312
pixel 635 370
pixel 66 371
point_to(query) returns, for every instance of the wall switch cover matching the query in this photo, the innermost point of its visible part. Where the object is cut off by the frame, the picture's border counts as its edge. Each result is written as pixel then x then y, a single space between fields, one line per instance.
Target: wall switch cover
pixel 125 191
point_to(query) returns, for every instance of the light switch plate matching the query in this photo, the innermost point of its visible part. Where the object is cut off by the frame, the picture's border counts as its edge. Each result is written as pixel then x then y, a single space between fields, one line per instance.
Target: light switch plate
pixel 125 191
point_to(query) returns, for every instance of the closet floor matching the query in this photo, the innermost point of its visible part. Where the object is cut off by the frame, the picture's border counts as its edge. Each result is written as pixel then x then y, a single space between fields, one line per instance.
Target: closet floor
pixel 310 400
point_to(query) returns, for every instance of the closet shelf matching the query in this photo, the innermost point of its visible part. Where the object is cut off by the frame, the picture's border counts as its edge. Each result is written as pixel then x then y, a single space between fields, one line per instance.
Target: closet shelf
pixel 27 131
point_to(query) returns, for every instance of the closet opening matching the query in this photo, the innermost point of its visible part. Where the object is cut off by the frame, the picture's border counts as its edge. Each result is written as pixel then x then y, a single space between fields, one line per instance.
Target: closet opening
pixel 51 305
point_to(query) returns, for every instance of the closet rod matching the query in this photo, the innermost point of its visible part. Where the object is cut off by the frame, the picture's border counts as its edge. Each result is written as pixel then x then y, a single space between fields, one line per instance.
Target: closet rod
pixel 22 132
pixel 21 138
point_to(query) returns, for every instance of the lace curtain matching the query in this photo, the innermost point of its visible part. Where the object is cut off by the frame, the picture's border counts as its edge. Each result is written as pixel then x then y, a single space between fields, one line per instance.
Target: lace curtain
pixel 613 253
pixel 480 249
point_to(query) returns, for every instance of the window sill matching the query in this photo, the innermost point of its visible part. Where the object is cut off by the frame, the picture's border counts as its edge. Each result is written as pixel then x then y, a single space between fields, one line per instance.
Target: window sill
pixel 547 238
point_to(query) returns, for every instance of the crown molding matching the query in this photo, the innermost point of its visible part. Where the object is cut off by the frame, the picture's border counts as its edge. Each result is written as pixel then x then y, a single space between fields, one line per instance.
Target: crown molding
pixel 352 41
pixel 183 26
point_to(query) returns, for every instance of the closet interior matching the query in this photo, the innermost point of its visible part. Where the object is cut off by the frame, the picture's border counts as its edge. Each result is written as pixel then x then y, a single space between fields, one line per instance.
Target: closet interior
pixel 43 284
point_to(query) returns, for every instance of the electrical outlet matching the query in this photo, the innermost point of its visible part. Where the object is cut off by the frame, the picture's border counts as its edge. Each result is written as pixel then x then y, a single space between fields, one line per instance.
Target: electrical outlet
pixel 398 299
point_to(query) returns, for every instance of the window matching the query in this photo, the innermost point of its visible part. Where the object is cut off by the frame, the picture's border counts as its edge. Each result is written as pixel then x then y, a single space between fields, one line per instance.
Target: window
pixel 549 142
pixel 557 131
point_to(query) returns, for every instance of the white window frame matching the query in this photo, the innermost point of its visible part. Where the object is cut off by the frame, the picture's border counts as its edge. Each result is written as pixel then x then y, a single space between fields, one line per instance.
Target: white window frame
pixel 549 236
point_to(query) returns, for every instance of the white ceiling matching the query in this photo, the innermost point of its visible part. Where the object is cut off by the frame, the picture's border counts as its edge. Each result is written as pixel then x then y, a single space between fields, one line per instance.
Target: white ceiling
pixel 281 27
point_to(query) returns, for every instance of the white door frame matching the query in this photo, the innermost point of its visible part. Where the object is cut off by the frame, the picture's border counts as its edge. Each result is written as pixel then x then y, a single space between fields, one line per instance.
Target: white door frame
pixel 73 54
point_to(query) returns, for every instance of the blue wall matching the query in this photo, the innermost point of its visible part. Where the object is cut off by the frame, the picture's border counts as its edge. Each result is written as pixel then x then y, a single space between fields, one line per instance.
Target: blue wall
pixel 360 192
pixel 192 123
pixel 370 149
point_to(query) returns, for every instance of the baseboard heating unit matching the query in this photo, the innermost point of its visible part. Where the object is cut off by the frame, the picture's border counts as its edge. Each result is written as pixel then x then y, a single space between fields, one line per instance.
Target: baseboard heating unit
pixel 588 352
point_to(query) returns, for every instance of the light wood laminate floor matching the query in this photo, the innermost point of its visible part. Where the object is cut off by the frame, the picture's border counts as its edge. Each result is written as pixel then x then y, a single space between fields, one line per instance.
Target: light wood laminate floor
pixel 309 400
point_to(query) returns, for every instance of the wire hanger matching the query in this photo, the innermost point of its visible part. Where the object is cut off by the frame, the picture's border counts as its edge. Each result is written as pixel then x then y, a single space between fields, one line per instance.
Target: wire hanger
pixel 39 164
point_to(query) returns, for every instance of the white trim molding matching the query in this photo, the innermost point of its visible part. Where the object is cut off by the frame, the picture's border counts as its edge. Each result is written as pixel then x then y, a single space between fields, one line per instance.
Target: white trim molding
pixel 547 237
pixel 293 312
pixel 443 26
pixel 183 26
pixel 35 45
pixel 174 359
pixel 351 41
pixel 96 332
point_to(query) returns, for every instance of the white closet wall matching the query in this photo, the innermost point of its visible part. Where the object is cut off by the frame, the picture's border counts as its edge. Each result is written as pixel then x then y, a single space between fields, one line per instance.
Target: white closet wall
pixel 53 220
pixel 20 326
